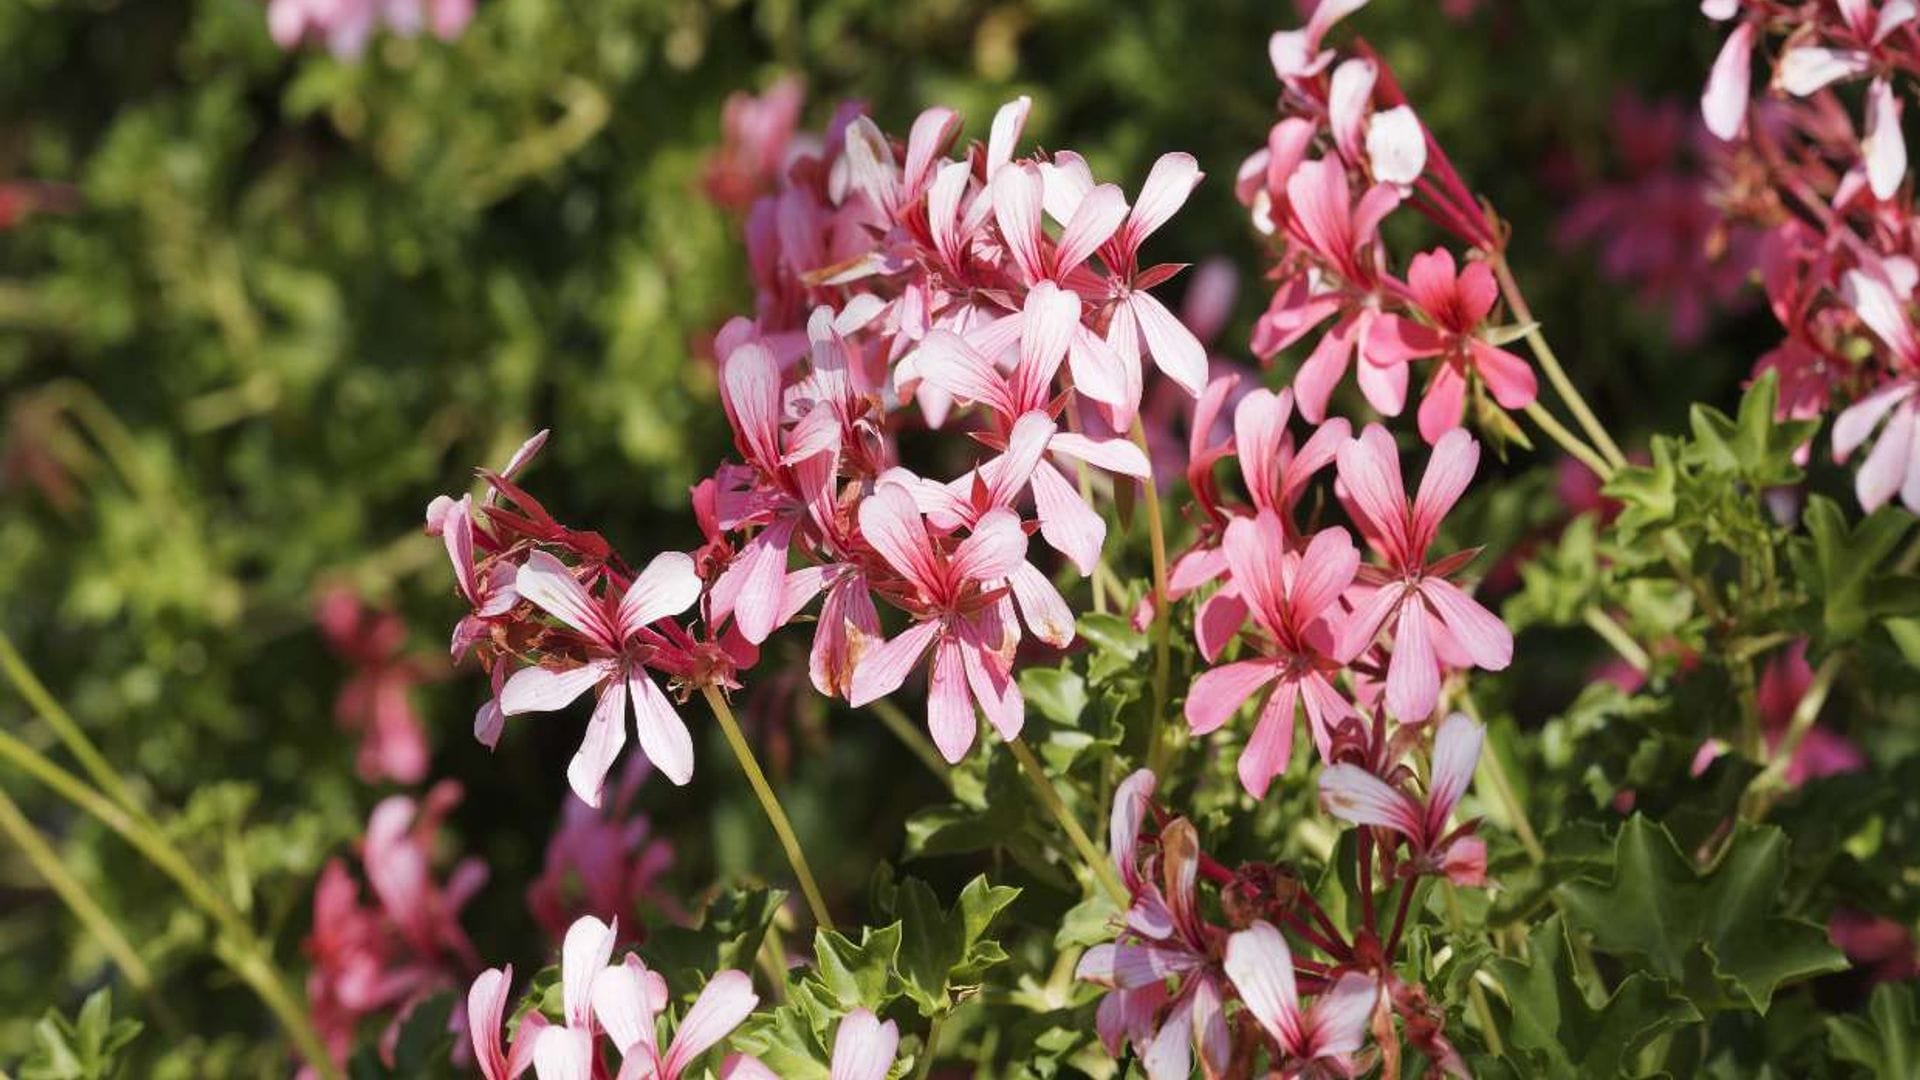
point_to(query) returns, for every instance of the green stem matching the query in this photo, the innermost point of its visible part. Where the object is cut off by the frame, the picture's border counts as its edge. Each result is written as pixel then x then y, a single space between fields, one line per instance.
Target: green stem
pixel 1162 740
pixel 1495 772
pixel 47 863
pixel 769 802
pixel 1550 364
pixel 1049 795
pixel 63 724
pixel 1616 635
pixel 238 947
pixel 925 1066
pixel 909 733
pixel 1567 440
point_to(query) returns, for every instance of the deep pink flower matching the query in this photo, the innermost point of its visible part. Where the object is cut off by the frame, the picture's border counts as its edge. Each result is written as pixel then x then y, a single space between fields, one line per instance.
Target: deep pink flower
pixel 1319 1040
pixel 1454 306
pixel 960 611
pixel 1294 598
pixel 619 639
pixel 603 861
pixel 756 132
pixel 1433 623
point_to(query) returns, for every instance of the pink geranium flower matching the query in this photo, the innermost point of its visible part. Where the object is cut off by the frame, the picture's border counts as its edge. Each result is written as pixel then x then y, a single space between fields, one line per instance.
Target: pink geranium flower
pixel 1433 623
pixel 1354 794
pixel 618 637
pixel 958 601
pixel 1293 597
pixel 1879 294
pixel 377 702
pixel 1454 305
pixel 1320 1040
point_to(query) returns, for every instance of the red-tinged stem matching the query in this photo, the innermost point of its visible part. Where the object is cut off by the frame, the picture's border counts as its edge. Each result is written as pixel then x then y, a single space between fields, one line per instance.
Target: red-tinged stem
pixel 1214 871
pixel 1337 949
pixel 1320 916
pixel 1400 917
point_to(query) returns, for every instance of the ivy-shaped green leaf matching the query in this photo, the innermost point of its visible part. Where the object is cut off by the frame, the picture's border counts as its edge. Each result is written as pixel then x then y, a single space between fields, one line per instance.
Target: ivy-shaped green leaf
pixel 1556 1032
pixel 1717 934
pixel 1887 1040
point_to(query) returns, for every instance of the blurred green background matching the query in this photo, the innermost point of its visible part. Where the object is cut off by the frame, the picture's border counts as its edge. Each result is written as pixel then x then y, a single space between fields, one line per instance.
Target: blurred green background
pixel 288 299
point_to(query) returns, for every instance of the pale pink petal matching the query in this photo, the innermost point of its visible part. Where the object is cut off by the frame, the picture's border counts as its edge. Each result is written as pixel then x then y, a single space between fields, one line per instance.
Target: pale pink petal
pixel 662 735
pixel 1369 469
pixel 667 586
pixel 1007 125
pixel 1371 611
pixel 1355 795
pixel 759 585
pixel 539 689
pixel 946 360
pixel 1042 607
pixel 1724 103
pixel 1100 373
pixel 1314 383
pixel 1255 550
pixel 1886 467
pixel 486 1010
pixel 1211 1036
pixel 1465 862
pixel 725 1001
pixel 744 1067
pixel 1456 751
pixel 950 718
pixel 1337 1022
pixel 1049 318
pixel 1260 966
pixel 1883 146
pixel 1219 692
pixel 1173 178
pixel 1175 351
pixel 1131 800
pixel 606 734
pixel 1259 429
pixel 583 956
pixel 1326 570
pixel 1169 1056
pixel 1347 97
pixel 1219 618
pixel 891 523
pixel 1016 195
pixel 881 671
pixel 1857 421
pixel 996 545
pixel 989 676
pixel 563 1053
pixel 489 721
pixel 863 1047
pixel 1478 632
pixel 1116 455
pixel 1092 224
pixel 624 1005
pixel 750 391
pixel 1805 69
pixel 550 586
pixel 1067 523
pixel 1396 146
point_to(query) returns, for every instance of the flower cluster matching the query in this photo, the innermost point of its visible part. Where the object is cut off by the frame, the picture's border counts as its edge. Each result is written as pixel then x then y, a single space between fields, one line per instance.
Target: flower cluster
pixel 377 702
pixel 1347 151
pixel 1171 972
pixel 384 958
pixel 1838 254
pixel 899 288
pixel 623 1004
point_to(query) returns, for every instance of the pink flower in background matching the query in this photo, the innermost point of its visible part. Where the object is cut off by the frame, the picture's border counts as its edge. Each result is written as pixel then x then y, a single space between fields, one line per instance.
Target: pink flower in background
pixel 1453 306
pixel 604 861
pixel 756 133
pixel 377 702
pixel 345 26
pixel 1294 598
pixel 619 638
pixel 1323 1036
pixel 383 958
pixel 1882 947
pixel 1433 623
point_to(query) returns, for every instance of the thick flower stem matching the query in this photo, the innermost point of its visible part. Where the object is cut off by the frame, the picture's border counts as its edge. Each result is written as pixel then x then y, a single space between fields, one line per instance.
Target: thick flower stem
pixel 1495 772
pixel 237 947
pixel 769 802
pixel 925 1067
pixel 1049 795
pixel 1567 440
pixel 1616 635
pixel 1162 737
pixel 1550 364
pixel 46 862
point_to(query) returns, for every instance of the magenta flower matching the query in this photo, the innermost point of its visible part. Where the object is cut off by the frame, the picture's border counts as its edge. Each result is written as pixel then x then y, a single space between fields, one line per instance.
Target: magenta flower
pixel 604 861
pixel 1294 598
pixel 618 639
pixel 377 702
pixel 960 612
pixel 1433 622
pixel 1320 1040
pixel 1353 794
pixel 1454 306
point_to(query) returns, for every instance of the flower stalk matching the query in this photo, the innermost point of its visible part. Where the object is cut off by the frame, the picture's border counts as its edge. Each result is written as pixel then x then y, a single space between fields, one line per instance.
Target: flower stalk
pixel 770 803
